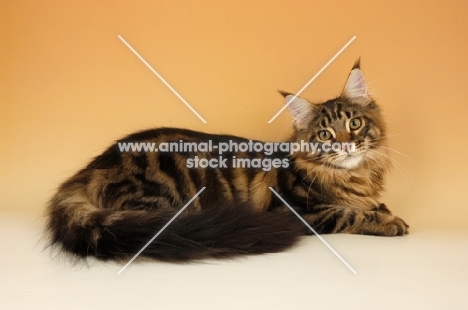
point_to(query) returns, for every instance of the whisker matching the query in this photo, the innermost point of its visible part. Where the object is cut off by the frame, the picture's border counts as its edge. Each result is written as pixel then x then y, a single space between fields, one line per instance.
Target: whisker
pixel 396 164
pixel 325 175
pixel 316 168
pixel 386 136
pixel 400 153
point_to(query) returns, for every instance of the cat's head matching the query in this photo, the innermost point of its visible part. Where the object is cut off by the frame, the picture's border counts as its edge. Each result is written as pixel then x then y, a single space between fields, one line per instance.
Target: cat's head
pixel 347 130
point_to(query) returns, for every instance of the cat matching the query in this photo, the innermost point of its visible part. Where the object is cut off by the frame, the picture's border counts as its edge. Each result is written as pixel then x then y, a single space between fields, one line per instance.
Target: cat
pixel 122 198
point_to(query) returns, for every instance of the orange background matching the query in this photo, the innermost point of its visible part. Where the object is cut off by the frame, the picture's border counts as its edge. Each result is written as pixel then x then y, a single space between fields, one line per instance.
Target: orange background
pixel 69 86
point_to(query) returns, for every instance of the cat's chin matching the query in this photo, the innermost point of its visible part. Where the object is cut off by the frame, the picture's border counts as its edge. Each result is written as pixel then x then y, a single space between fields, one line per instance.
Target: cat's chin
pixel 350 162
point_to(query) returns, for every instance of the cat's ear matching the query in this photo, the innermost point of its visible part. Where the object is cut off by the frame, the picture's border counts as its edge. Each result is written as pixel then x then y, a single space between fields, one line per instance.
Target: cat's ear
pixel 356 87
pixel 300 109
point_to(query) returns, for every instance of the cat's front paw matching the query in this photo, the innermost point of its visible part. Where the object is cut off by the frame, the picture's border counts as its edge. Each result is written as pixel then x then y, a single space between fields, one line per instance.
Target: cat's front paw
pixel 382 208
pixel 396 227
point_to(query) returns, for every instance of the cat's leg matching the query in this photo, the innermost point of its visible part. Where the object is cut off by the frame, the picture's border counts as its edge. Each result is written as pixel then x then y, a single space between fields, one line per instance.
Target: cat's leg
pixel 382 208
pixel 340 219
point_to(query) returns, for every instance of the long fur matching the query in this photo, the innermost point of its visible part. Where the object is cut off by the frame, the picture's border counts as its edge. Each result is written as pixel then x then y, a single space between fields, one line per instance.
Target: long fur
pixel 222 232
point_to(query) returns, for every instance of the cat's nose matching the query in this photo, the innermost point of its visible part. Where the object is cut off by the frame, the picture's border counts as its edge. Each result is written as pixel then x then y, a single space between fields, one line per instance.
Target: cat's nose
pixel 348 147
pixel 342 137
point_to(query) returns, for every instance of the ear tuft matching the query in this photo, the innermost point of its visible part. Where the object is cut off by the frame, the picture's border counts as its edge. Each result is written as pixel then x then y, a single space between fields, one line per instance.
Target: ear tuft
pixel 357 64
pixel 283 93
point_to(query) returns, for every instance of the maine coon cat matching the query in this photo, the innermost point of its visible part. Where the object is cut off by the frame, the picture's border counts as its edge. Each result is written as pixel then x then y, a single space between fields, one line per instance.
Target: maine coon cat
pixel 121 199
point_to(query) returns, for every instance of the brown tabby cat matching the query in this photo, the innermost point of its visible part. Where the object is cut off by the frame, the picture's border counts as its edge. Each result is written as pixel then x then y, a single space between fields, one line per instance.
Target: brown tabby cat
pixel 115 205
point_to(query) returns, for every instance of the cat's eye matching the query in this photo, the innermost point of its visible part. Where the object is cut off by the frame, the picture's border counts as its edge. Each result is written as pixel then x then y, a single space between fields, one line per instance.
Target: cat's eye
pixel 355 123
pixel 324 135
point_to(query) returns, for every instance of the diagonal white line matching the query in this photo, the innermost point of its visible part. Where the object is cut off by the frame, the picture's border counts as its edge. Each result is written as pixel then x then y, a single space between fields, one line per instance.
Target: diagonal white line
pixel 313 230
pixel 160 231
pixel 162 79
pixel 312 79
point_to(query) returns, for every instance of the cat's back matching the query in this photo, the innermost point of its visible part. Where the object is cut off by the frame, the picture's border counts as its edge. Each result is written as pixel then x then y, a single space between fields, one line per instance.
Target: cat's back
pixel 164 167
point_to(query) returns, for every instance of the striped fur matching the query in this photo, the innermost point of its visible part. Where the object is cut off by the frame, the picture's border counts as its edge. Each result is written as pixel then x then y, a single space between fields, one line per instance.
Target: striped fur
pixel 112 207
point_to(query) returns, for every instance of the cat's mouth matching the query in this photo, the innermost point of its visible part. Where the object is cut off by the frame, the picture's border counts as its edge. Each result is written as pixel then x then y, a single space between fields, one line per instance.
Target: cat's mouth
pixel 348 160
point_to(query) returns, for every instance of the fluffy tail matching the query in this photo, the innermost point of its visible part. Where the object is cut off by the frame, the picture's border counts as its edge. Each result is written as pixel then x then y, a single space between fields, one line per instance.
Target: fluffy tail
pixel 223 232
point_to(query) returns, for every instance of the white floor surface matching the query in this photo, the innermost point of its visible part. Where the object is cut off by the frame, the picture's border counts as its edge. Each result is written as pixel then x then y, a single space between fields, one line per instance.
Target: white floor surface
pixel 423 270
